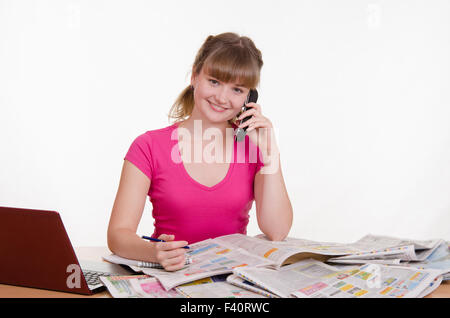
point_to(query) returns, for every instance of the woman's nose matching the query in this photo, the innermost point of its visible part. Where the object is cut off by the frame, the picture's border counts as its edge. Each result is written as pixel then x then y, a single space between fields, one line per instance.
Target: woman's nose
pixel 222 95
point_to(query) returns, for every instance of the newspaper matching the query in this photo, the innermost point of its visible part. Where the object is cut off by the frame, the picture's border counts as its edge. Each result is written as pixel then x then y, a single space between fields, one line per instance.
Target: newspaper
pixel 439 259
pixel 311 278
pixel 135 265
pixel 239 281
pixel 370 247
pixel 223 254
pixel 323 248
pixel 208 280
pixel 141 286
pixel 390 255
pixel 208 258
pixel 282 253
pixel 377 246
pixel 216 290
pixel 371 241
pixel 433 285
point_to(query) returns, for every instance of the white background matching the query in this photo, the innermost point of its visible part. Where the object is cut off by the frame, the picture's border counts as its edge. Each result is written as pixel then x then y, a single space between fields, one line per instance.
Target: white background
pixel 357 90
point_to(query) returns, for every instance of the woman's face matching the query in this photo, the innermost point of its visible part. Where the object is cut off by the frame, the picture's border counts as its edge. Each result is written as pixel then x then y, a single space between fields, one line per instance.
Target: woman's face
pixel 218 101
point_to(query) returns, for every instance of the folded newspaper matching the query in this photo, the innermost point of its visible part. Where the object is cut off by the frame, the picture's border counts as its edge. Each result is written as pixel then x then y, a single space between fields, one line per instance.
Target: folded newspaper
pixel 370 247
pixel 225 254
pixel 144 286
pixel 312 279
pixel 241 282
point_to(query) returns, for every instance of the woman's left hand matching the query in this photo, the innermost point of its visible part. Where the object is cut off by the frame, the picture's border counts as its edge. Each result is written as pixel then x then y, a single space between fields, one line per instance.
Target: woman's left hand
pixel 263 138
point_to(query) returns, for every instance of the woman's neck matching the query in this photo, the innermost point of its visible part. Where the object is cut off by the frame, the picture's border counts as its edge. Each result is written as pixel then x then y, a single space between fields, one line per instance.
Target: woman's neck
pixel 198 127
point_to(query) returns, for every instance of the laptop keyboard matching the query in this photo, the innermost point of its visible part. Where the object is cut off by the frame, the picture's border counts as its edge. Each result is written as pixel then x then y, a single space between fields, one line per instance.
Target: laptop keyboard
pixel 93 277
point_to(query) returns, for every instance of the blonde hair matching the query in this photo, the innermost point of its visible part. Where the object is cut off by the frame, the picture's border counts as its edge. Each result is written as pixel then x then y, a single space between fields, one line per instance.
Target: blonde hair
pixel 227 57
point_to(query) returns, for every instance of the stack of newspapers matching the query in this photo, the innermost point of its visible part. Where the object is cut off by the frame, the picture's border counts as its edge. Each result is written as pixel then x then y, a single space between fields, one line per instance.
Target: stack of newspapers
pixel 248 267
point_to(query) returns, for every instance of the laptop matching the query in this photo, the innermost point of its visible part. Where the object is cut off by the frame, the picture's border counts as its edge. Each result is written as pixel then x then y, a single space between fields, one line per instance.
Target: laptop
pixel 35 251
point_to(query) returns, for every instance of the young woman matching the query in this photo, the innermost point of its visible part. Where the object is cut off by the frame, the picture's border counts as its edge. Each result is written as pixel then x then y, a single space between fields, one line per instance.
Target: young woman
pixel 202 198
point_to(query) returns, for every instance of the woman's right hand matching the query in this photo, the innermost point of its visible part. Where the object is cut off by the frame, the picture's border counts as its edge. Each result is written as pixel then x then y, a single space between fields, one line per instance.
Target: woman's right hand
pixel 170 254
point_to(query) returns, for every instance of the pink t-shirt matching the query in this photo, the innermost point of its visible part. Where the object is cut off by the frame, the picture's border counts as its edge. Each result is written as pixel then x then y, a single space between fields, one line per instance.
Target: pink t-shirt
pixel 182 206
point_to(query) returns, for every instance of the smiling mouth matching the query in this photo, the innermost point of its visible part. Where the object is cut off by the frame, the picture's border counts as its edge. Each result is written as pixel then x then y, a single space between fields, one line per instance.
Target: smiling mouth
pixel 217 107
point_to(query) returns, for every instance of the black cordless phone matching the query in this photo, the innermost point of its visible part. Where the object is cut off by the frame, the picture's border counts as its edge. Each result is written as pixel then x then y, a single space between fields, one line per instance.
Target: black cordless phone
pixel 252 97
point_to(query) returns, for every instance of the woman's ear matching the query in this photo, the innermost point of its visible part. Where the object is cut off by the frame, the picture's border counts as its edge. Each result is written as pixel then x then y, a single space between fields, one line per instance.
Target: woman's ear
pixel 193 80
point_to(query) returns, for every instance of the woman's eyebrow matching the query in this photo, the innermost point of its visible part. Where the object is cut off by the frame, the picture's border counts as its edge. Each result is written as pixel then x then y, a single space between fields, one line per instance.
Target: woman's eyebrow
pixel 235 84
pixel 212 77
pixel 239 85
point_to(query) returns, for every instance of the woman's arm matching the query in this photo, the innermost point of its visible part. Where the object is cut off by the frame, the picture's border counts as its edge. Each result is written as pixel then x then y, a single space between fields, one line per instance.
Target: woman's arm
pixel 273 207
pixel 125 216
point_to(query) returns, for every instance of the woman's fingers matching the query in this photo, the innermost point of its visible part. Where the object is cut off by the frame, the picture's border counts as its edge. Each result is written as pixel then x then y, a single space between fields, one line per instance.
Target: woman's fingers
pixel 169 243
pixel 174 253
pixel 170 253
pixel 166 237
pixel 174 260
pixel 173 264
pixel 168 246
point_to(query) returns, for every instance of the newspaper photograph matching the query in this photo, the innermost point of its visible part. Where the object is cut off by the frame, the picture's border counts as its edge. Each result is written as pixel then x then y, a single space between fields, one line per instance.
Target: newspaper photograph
pixel 136 286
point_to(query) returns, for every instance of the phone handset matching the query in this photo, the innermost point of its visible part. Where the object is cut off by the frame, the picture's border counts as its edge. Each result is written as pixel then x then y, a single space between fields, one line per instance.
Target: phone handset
pixel 252 97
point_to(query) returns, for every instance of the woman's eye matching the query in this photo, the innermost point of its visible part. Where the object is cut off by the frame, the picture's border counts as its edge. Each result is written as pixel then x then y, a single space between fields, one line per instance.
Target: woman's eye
pixel 238 90
pixel 213 81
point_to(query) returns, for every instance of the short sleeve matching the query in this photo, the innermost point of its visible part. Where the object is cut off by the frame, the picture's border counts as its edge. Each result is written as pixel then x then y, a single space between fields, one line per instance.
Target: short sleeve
pixel 140 154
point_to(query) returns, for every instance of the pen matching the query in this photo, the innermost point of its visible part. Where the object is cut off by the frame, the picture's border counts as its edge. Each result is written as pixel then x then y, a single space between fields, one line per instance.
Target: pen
pixel 157 240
